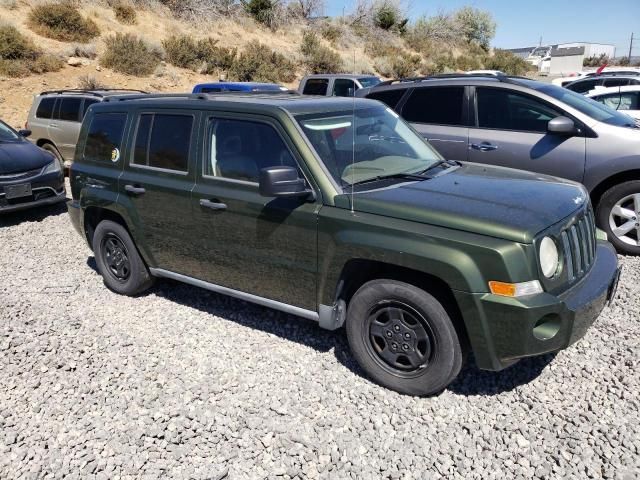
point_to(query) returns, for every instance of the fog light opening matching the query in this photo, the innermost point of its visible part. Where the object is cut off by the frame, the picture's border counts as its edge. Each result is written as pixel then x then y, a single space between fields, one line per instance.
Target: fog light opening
pixel 547 327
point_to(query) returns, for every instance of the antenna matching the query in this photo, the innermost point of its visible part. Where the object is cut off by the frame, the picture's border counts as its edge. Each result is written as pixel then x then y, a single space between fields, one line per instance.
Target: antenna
pixel 353 137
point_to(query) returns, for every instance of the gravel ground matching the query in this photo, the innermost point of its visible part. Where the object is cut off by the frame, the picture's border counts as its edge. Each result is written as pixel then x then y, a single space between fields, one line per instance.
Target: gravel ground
pixel 184 383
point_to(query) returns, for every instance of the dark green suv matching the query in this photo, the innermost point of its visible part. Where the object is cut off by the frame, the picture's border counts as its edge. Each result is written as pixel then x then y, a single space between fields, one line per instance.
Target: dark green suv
pixel 337 211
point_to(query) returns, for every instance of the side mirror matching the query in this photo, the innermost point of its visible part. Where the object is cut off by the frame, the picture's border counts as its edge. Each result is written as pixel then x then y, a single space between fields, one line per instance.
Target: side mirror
pixel 561 125
pixel 282 181
pixel 24 133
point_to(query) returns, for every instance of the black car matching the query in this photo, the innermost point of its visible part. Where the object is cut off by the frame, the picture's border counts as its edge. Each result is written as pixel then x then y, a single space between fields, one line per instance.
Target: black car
pixel 29 176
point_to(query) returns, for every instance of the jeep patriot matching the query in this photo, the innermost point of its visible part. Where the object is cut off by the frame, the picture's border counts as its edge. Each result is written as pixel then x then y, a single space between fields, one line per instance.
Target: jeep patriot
pixel 337 211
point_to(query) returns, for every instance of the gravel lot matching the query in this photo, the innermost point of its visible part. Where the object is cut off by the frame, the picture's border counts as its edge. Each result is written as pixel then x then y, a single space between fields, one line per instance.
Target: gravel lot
pixel 184 383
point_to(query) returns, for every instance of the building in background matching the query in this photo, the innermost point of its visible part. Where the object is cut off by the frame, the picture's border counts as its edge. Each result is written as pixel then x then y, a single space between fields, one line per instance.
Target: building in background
pixel 564 58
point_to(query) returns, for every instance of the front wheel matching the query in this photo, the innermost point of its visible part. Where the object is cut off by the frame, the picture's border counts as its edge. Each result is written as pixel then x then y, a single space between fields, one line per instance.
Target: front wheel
pixel 403 338
pixel 118 260
pixel 618 214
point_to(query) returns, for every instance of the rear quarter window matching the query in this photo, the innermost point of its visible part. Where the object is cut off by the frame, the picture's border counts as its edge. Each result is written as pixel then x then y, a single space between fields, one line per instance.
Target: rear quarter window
pixel 104 137
pixel 388 97
pixel 45 108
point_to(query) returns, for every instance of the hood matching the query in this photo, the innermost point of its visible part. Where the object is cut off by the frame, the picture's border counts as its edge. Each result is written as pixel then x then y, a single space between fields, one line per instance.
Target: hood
pixel 494 201
pixel 21 156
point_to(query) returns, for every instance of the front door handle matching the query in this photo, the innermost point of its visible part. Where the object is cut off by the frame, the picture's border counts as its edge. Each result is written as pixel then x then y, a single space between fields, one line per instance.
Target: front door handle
pixel 133 190
pixel 484 146
pixel 212 205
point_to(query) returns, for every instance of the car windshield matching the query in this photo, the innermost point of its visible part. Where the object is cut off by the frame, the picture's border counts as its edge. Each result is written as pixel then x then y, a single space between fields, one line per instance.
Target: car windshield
pixel 8 134
pixel 367 143
pixel 589 107
pixel 367 82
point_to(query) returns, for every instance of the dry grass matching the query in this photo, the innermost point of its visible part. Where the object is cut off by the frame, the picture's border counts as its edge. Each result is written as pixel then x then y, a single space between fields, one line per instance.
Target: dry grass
pixel 19 56
pixel 125 13
pixel 258 63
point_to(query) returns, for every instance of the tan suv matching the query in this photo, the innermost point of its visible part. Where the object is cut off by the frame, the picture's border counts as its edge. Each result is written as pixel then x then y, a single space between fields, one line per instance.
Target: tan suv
pixel 56 116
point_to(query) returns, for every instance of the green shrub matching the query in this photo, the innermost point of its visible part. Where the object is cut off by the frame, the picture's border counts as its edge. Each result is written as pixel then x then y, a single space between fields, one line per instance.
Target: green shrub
pixel 317 58
pixel 259 63
pixel 62 21
pixel 15 46
pixel 126 53
pixel 400 66
pixel 508 63
pixel 263 11
pixel 204 55
pixel 19 57
pixel 468 62
pixel 125 13
pixel 330 32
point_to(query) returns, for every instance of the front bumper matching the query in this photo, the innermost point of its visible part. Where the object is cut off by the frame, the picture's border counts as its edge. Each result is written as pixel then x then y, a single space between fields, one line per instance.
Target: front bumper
pixel 503 330
pixel 47 189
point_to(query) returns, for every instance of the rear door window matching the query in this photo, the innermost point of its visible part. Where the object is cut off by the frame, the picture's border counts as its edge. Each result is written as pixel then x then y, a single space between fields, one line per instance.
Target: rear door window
pixel 163 141
pixel 388 97
pixel 344 88
pixel 45 108
pixel 104 139
pixel 69 109
pixel 316 86
pixel 435 105
pixel 87 103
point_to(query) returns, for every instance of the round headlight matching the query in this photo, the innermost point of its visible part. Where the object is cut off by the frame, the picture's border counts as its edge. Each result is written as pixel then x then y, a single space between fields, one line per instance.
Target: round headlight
pixel 548 257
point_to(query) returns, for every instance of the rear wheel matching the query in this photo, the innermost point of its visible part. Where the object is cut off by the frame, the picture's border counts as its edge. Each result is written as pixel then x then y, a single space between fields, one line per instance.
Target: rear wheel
pixel 118 260
pixel 618 214
pixel 54 151
pixel 403 338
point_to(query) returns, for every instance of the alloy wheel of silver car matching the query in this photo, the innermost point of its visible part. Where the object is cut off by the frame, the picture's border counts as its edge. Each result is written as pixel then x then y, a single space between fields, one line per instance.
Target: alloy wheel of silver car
pixel 624 219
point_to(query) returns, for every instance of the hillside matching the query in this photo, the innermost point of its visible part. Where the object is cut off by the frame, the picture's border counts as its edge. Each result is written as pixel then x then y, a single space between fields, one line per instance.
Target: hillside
pixel 346 44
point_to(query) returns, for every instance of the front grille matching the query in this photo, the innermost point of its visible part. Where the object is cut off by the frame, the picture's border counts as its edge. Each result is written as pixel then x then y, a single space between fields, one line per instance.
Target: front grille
pixel 579 245
pixel 19 175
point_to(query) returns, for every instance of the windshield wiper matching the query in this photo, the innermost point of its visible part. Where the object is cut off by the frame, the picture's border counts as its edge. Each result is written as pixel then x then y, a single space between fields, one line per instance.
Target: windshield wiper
pixel 402 176
pixel 449 163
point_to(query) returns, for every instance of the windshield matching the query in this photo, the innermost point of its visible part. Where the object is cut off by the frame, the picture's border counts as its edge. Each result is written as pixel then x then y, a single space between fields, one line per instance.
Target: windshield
pixel 363 144
pixel 589 107
pixel 369 81
pixel 8 134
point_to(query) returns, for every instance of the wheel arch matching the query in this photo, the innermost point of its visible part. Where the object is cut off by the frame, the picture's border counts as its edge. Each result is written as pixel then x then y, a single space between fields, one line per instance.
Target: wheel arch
pixel 356 272
pixel 611 181
pixel 93 215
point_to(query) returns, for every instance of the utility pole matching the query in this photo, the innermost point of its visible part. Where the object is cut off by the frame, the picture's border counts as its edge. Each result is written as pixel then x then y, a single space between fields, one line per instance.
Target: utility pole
pixel 540 43
pixel 630 47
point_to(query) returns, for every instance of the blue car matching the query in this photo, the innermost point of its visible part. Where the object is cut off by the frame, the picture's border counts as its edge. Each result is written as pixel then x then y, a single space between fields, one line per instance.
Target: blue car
pixel 238 87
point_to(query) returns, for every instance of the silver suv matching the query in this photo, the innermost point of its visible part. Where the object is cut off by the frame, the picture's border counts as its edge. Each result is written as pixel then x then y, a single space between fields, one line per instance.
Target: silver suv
pixel 521 123
pixel 56 116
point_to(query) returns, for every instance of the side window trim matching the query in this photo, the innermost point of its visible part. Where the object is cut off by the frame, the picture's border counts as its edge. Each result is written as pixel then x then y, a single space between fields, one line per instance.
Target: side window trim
pixel 194 127
pixel 476 123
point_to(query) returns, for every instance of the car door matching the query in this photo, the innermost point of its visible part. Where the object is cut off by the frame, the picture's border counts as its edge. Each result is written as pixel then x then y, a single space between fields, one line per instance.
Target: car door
pixel 439 113
pixel 64 127
pixel 156 185
pixel 244 241
pixel 511 131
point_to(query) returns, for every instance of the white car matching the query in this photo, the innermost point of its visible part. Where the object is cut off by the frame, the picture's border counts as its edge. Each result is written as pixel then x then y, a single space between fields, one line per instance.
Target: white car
pixel 563 81
pixel 626 99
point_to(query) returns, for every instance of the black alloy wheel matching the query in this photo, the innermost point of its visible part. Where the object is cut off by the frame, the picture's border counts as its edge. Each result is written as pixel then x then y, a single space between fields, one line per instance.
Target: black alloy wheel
pixel 116 257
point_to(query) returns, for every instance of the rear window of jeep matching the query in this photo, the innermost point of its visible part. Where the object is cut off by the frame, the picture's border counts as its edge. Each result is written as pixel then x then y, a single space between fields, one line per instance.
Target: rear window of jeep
pixel 104 139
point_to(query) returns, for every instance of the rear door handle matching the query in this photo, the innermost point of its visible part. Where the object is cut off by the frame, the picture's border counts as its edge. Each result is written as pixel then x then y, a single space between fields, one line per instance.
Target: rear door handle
pixel 133 190
pixel 484 146
pixel 212 205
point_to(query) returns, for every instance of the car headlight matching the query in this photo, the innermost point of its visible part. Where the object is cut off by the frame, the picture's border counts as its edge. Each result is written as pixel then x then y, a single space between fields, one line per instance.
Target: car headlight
pixel 549 258
pixel 53 167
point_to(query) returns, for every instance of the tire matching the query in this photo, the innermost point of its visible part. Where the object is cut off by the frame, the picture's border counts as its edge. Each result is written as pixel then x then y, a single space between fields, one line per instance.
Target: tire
pixel 118 260
pixel 53 150
pixel 426 338
pixel 610 216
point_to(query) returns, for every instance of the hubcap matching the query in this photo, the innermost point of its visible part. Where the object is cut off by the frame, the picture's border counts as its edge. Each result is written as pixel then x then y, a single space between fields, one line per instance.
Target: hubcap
pixel 116 257
pixel 399 337
pixel 624 220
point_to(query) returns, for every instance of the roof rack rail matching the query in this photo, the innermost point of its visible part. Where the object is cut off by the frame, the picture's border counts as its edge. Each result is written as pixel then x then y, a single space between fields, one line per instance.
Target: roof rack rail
pixel 501 78
pixel 98 92
pixel 197 96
